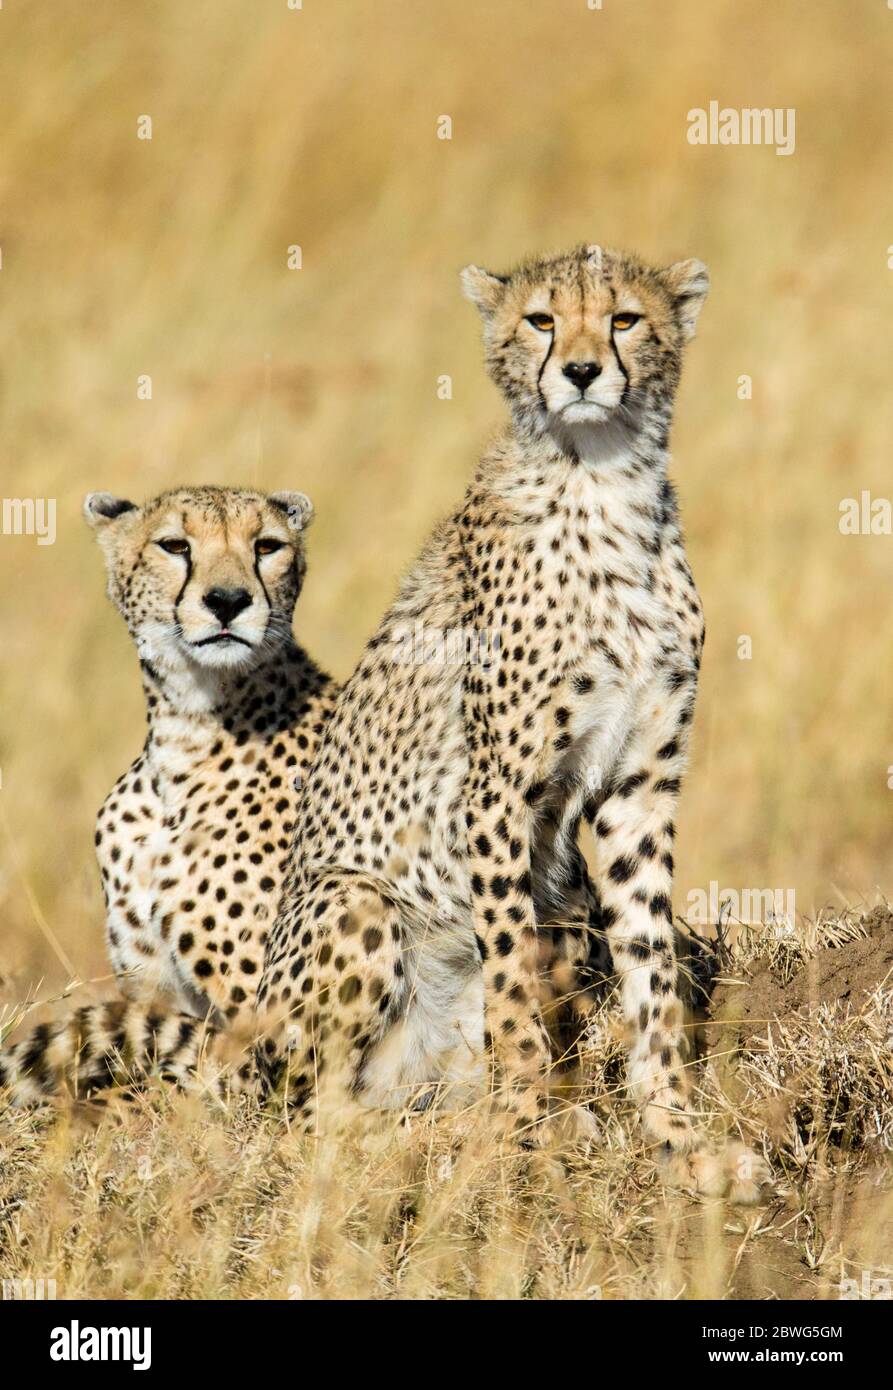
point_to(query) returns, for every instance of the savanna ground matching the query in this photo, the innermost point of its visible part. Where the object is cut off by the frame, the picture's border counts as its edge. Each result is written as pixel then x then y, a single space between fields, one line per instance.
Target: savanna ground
pixel 166 1195
pixel 168 258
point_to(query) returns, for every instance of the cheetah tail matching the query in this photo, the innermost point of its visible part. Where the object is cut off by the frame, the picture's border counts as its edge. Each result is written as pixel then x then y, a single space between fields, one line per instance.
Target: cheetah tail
pixel 114 1044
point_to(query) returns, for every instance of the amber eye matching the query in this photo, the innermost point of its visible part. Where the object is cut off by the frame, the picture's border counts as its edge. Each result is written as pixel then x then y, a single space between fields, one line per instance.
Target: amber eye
pixel 267 546
pixel 544 322
pixel 175 546
pixel 624 321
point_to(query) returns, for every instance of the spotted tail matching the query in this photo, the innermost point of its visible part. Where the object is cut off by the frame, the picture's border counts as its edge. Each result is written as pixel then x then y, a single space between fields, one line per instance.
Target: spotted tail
pixel 121 1043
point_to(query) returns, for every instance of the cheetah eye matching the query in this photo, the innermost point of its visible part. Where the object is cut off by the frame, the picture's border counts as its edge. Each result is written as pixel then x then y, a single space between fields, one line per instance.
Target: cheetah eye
pixel 267 546
pixel 623 321
pixel 544 322
pixel 175 546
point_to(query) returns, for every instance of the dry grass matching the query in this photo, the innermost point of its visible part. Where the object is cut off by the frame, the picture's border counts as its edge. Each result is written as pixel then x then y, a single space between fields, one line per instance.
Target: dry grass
pixel 181 1196
pixel 122 257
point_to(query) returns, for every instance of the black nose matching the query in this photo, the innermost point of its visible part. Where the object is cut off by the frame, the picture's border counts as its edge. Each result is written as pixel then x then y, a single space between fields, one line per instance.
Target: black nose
pixel 581 373
pixel 225 604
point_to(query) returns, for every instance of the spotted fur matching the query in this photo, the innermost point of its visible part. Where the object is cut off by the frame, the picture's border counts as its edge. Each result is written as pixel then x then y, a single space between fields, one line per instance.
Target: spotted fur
pixel 437 907
pixel 437 892
pixel 193 840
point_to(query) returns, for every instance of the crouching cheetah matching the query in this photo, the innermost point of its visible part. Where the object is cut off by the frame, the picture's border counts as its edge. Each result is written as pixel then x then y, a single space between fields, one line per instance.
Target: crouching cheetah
pixel 437 896
pixel 194 838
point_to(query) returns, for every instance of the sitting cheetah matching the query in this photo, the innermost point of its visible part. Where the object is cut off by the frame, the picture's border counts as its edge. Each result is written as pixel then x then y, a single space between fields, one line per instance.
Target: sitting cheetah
pixel 437 893
pixel 193 840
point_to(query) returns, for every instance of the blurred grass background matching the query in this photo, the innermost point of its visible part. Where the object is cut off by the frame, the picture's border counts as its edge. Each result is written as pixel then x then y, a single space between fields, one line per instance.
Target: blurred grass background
pixel 317 127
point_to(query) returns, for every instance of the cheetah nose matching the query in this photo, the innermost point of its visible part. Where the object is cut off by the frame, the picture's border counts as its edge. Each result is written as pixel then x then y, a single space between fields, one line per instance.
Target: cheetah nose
pixel 226 604
pixel 581 373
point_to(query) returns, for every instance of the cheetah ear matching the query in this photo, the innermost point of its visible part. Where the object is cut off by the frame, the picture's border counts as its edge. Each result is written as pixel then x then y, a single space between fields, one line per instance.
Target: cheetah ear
pixel 689 281
pixel 482 288
pixel 297 507
pixel 100 508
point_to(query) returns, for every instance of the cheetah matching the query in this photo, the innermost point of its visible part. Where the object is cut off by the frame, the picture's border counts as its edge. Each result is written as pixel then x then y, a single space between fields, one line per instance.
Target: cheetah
pixel 438 905
pixel 193 840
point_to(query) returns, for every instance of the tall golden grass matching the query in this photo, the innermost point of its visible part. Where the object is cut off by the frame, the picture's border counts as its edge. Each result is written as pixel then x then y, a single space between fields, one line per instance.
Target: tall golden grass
pixel 178 1195
pixel 317 127
pixel 122 257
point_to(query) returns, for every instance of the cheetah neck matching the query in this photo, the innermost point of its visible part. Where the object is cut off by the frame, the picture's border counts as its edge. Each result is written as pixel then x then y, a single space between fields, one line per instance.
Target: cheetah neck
pixel 636 433
pixel 535 473
pixel 605 447
pixel 196 708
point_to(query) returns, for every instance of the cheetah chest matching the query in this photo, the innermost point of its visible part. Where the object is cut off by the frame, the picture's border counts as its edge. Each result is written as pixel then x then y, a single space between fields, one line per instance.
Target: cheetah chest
pixel 616 632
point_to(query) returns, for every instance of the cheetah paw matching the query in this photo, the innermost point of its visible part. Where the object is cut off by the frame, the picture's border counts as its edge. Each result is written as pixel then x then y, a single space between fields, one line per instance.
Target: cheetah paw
pixel 748 1173
pixel 736 1173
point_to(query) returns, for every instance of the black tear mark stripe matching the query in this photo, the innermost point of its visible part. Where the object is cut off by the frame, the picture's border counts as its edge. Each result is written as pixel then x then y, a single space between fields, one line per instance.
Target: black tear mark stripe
pixel 539 379
pixel 617 358
pixel 178 600
pixel 260 580
pixel 622 369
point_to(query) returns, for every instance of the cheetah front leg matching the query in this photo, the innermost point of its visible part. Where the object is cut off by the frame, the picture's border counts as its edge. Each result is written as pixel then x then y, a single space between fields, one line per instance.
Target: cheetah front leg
pixel 634 828
pixel 498 822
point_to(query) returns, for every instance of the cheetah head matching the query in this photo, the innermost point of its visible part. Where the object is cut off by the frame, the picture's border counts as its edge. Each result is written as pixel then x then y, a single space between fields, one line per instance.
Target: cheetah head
pixel 589 340
pixel 205 577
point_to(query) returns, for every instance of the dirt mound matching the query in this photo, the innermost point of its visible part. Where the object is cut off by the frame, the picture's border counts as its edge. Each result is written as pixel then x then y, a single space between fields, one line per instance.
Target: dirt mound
pixel 789 981
pixel 799 1042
